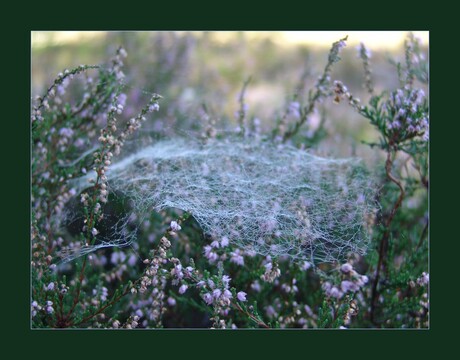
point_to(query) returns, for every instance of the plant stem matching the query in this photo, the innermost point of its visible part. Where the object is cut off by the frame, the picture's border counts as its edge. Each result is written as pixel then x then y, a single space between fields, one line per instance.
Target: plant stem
pixel 386 234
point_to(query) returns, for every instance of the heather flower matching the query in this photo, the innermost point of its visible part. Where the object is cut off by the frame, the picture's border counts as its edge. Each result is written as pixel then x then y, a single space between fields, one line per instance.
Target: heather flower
pixel 347 285
pixel 211 284
pixel 346 268
pixel 334 292
pixel 424 279
pixel 241 296
pixel 183 289
pixel 226 279
pixel 224 241
pixel 237 258
pixel 50 286
pixel 208 298
pixel 305 265
pixel 226 295
pixel 175 226
pixel 171 301
pixel 256 286
pixel 216 293
pixel 154 107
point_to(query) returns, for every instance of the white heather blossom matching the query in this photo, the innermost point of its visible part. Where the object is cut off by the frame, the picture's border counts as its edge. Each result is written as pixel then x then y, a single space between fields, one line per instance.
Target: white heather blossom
pixel 94 231
pixel 183 289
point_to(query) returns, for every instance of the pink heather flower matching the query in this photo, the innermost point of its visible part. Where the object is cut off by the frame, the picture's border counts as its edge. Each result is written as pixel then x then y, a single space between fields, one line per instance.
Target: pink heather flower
pixel 347 285
pixel 171 301
pixel 226 279
pixel 66 132
pixel 346 268
pixel 216 293
pixel 237 258
pixel 334 292
pixel 154 107
pixel 188 271
pixel 200 284
pixel 215 244
pixel 211 284
pixel 250 253
pixel 227 294
pixel 210 255
pixel 424 279
pixel 50 286
pixel 207 250
pixel 306 265
pixel 224 241
pixel 270 311
pixel 183 289
pixel 132 260
pixel 208 298
pixel 177 272
pixel 241 296
pixel 256 286
pixel 175 226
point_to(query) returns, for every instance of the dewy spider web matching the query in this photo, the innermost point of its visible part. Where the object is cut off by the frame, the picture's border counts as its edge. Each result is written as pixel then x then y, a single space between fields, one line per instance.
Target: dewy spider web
pixel 270 199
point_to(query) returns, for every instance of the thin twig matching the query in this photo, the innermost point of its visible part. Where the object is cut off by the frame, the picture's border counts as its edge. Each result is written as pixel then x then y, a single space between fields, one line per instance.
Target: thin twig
pixel 385 237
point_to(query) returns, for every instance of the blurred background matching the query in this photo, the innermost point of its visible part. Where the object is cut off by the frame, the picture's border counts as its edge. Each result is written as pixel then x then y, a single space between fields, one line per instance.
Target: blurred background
pixel 204 71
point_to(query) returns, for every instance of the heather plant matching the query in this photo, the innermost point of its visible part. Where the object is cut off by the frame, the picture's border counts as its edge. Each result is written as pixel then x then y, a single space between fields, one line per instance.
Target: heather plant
pixel 227 222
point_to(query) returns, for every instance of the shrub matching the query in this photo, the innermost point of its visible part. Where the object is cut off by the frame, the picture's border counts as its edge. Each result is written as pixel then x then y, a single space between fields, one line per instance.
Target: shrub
pixel 229 229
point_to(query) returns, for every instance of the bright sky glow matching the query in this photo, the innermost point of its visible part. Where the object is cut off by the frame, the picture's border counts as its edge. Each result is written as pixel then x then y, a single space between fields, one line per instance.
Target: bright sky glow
pixel 373 39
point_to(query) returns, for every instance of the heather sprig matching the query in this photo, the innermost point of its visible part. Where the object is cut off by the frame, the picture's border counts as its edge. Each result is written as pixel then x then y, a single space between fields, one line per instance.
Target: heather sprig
pixel 322 89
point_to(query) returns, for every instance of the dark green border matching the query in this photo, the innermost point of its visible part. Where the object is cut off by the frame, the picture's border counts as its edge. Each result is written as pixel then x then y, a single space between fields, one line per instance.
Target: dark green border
pixel 204 344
